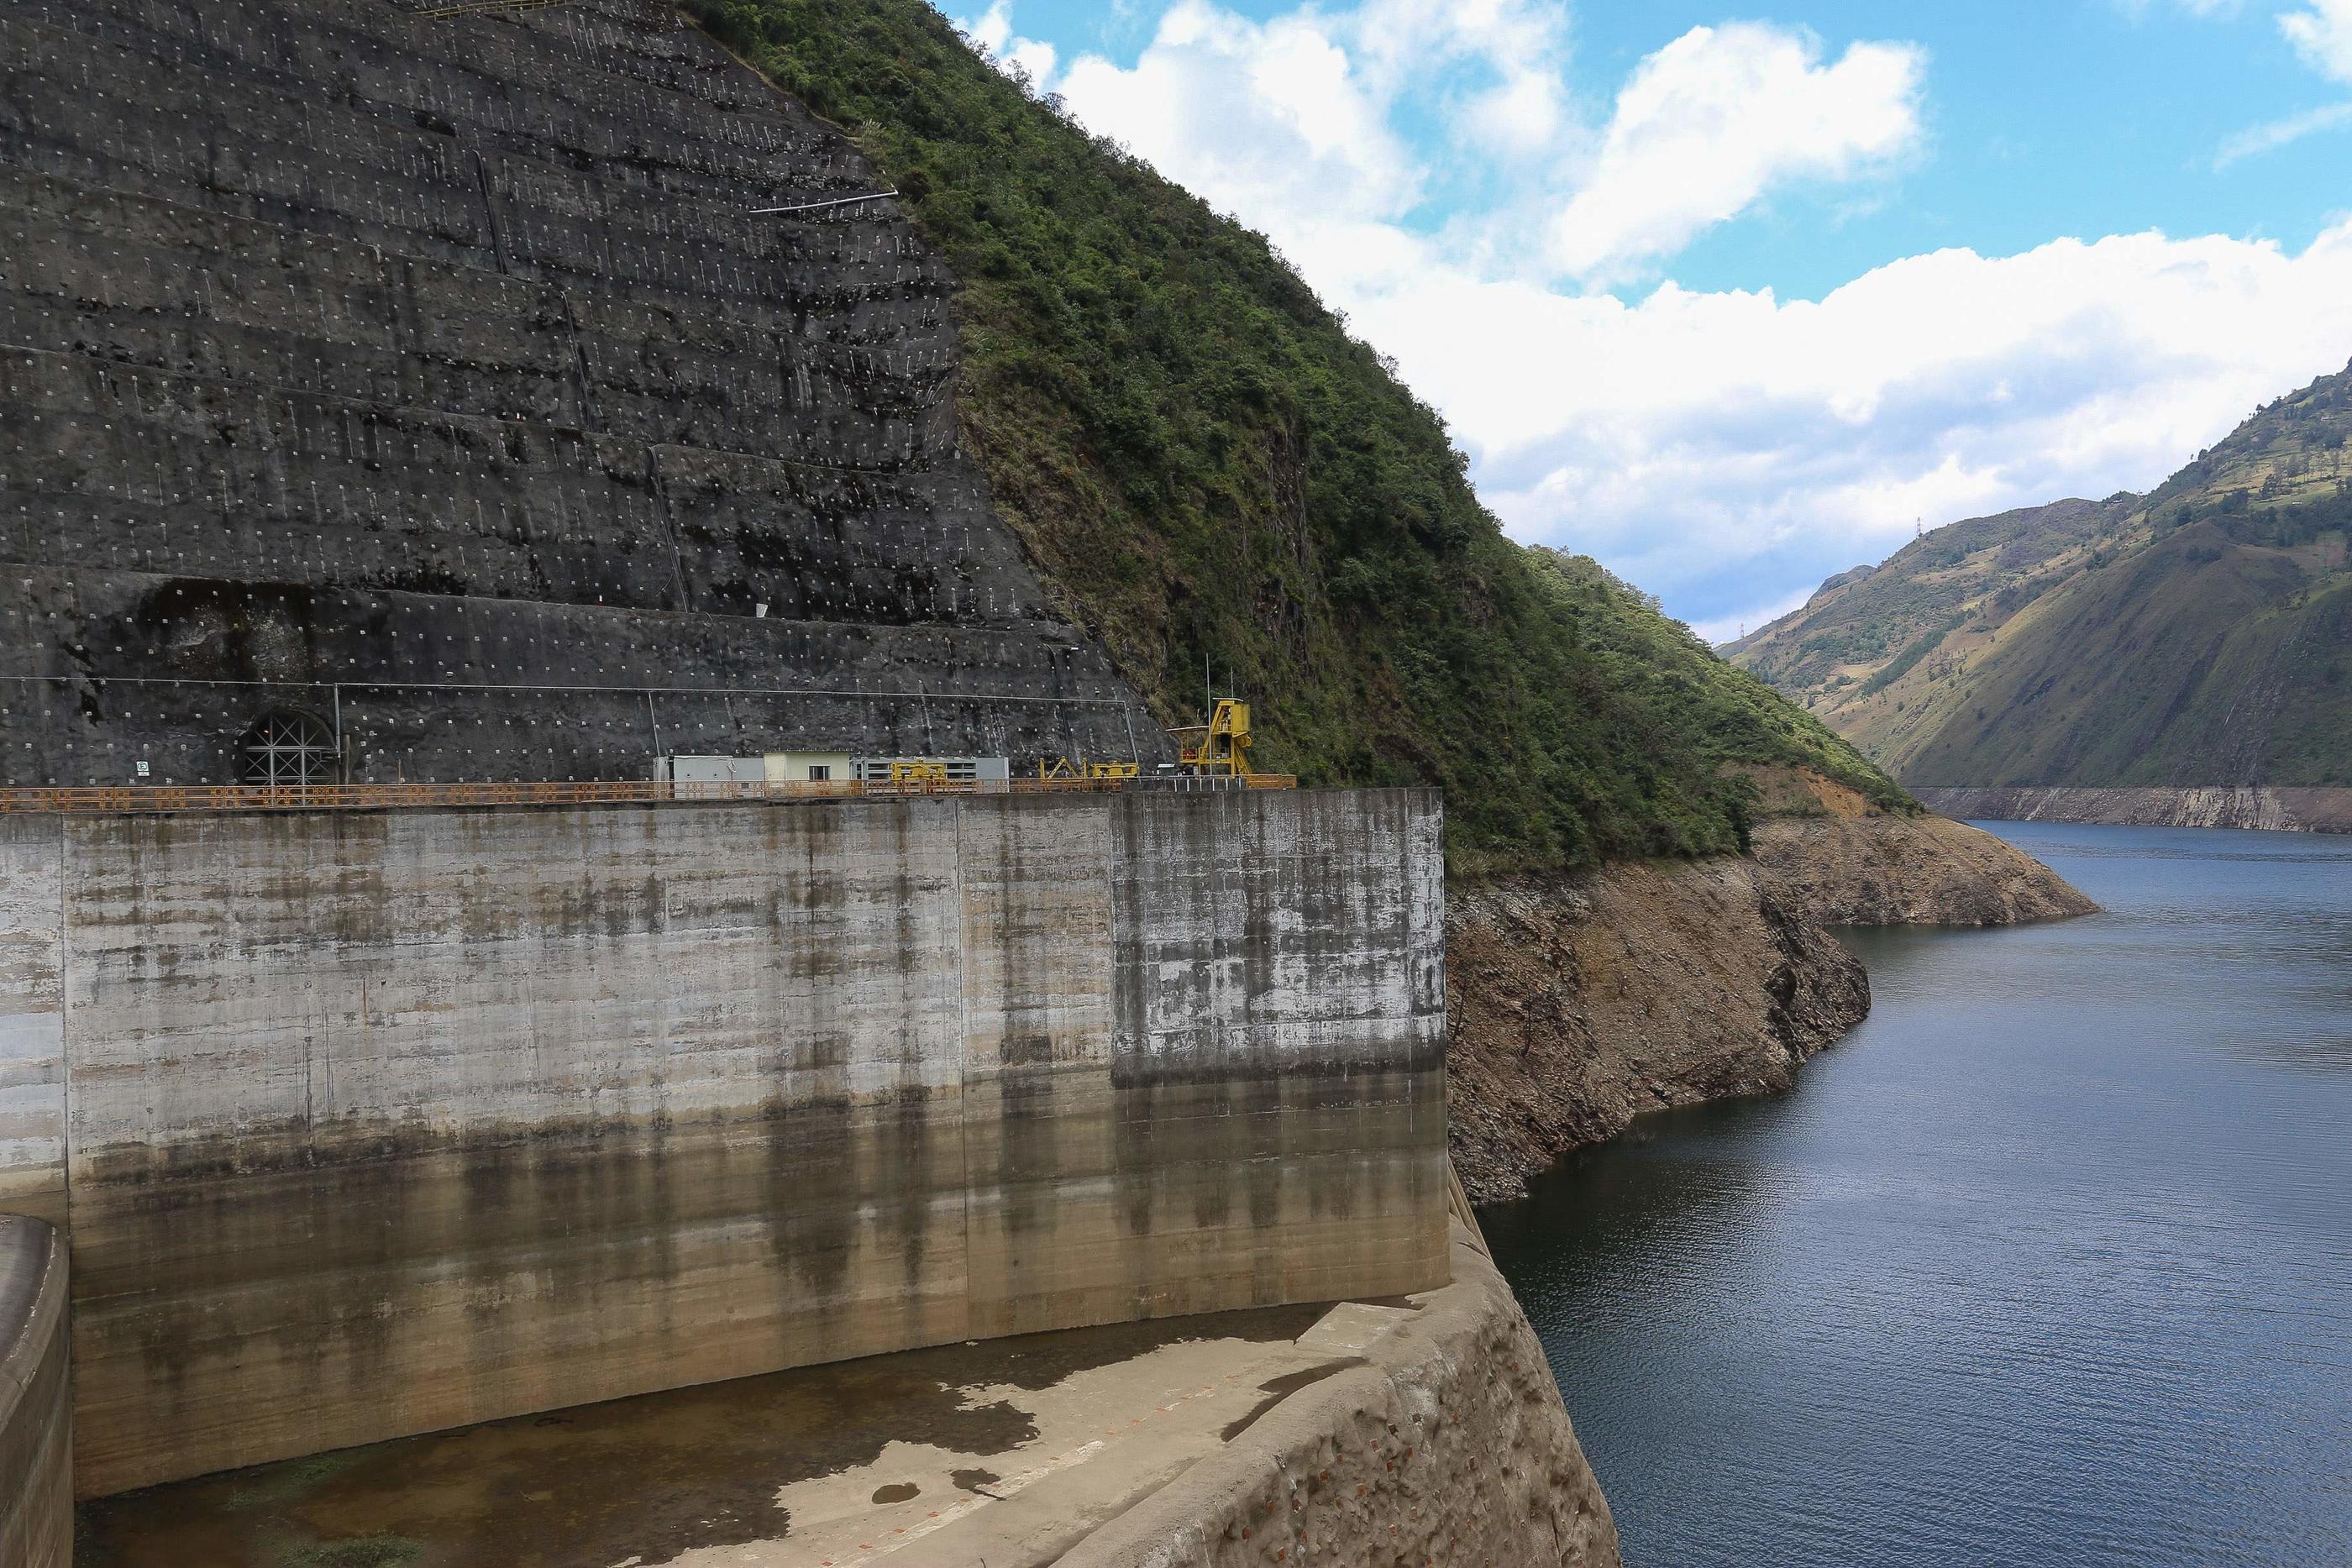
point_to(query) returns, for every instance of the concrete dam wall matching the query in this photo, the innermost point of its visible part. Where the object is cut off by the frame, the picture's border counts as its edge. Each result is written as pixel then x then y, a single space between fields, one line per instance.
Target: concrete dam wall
pixel 366 1125
pixel 35 1398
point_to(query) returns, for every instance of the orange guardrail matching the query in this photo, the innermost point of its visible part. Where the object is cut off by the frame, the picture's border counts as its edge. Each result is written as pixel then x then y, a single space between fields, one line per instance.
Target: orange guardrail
pixel 477 7
pixel 99 799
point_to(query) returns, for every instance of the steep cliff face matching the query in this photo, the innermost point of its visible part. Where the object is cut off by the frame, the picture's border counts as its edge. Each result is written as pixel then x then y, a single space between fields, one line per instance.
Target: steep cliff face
pixel 1574 1006
pixel 420 390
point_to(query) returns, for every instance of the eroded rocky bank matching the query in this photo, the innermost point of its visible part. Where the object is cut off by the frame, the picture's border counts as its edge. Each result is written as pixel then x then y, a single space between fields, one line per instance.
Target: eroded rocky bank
pixel 1575 1005
pixel 2283 809
pixel 1905 871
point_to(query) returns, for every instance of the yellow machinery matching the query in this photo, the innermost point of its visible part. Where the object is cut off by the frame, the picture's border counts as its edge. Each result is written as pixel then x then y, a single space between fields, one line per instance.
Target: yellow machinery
pixel 1224 746
pixel 1222 751
pixel 918 775
pixel 1064 768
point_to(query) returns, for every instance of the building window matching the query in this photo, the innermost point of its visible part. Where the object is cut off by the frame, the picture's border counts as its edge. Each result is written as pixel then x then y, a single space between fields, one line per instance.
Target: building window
pixel 820 772
pixel 288 749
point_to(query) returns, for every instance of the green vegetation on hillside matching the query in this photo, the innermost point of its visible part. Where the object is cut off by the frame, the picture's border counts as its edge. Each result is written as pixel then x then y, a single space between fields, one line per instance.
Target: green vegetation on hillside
pixel 2201 634
pixel 1206 466
pixel 1855 634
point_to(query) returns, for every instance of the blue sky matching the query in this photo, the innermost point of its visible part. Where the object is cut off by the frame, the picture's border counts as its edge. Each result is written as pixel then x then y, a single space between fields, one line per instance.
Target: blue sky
pixel 1730 297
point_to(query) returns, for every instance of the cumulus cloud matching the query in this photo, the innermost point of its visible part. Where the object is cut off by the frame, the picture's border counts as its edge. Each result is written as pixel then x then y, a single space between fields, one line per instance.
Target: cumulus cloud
pixel 1272 121
pixel 1725 450
pixel 1517 105
pixel 1714 120
pixel 1289 121
pixel 2322 34
pixel 992 31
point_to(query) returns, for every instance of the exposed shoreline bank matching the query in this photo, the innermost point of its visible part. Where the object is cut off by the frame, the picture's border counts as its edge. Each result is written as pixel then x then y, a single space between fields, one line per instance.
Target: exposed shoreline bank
pixel 1575 1006
pixel 2283 808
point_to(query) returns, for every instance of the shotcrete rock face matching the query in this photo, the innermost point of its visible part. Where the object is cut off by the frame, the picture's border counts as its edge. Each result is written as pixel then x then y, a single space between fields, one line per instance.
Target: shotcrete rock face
pixel 435 374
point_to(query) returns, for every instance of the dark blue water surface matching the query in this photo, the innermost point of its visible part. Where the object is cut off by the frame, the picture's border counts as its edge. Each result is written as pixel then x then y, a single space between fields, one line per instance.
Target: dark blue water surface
pixel 2049 1262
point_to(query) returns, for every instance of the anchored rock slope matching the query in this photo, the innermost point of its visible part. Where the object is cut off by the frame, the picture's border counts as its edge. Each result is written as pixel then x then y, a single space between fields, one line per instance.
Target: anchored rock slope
pixel 426 383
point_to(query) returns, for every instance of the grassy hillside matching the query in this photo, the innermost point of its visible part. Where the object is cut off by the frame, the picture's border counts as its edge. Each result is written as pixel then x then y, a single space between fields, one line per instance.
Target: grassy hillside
pixel 1861 622
pixel 1205 465
pixel 2201 634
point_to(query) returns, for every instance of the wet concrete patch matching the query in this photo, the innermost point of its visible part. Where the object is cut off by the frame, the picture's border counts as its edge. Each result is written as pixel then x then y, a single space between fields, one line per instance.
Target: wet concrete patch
pixel 647 1480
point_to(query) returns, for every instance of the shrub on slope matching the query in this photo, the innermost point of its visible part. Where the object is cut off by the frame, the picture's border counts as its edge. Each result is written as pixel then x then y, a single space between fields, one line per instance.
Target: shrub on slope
pixel 1206 466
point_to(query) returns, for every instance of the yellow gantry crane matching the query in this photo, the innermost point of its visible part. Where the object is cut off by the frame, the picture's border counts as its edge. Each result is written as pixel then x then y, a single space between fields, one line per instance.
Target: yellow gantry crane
pixel 1225 746
pixel 1221 751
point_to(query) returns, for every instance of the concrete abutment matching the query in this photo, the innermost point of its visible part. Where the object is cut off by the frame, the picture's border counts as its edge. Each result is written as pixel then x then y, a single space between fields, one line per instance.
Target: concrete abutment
pixel 35 1398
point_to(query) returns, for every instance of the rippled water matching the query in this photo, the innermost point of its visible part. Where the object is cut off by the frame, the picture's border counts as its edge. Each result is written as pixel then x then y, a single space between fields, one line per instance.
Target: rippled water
pixel 2050 1262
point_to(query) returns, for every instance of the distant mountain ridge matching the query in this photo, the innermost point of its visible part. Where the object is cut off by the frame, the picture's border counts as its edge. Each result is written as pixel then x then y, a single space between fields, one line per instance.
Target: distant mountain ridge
pixel 2197 636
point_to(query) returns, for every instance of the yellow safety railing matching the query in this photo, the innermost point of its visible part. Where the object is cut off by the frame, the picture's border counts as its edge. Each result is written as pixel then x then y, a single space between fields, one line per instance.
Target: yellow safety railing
pixel 99 799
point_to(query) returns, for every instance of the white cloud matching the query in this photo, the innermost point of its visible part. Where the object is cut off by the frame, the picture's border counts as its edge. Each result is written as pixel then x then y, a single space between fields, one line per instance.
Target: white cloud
pixel 2323 35
pixel 1722 449
pixel 1268 120
pixel 1287 122
pixel 1714 120
pixel 992 31
pixel 2277 134
pixel 1725 450
pixel 1520 105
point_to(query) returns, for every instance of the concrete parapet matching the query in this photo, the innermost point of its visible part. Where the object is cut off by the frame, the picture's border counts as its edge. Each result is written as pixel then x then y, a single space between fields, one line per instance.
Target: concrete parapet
pixel 382 1123
pixel 35 1398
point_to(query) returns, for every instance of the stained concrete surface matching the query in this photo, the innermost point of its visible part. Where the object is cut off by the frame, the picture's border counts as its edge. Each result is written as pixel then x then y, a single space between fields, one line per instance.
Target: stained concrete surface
pixel 794 1466
pixel 1405 1431
pixel 376 1124
pixel 35 1398
pixel 1446 1444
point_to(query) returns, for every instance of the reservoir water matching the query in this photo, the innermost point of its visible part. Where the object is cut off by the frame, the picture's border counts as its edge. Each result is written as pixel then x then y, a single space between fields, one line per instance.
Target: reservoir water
pixel 2050 1262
